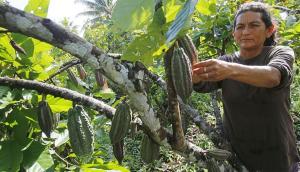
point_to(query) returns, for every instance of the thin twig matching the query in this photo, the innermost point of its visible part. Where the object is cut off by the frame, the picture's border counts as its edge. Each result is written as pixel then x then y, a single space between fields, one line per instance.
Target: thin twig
pixel 64 67
pixel 62 159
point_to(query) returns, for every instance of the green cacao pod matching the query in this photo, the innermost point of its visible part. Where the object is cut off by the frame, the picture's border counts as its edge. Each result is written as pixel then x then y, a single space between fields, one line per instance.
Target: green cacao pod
pixel 72 77
pixel 212 165
pixel 189 48
pixel 118 150
pixel 81 133
pixel 46 119
pixel 120 123
pixel 181 71
pixel 81 71
pixel 149 150
pixel 219 154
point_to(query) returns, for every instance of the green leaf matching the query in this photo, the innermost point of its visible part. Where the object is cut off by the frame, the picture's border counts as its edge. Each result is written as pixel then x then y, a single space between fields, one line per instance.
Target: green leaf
pixel 57 104
pixel 7 53
pixel 43 163
pixel 20 131
pixel 133 14
pixel 181 19
pixel 144 48
pixel 32 154
pixel 62 138
pixel 171 8
pixel 10 156
pixel 26 43
pixel 3 90
pixel 38 7
pixel 297 27
pixel 203 7
pixel 105 94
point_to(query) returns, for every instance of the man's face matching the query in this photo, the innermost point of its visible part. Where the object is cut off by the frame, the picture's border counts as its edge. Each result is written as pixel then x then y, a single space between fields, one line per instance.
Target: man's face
pixel 250 31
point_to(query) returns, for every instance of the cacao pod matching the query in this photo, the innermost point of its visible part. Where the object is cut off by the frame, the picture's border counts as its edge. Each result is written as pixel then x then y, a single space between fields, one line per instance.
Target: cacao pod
pixel 72 77
pixel 81 133
pixel 46 119
pixel 212 165
pixel 118 150
pixel 189 48
pixel 100 79
pixel 149 149
pixel 219 154
pixel 81 71
pixel 120 123
pixel 181 71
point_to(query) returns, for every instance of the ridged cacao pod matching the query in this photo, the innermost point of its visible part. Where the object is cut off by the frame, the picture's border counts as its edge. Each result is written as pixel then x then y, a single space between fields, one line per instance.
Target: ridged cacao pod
pixel 181 71
pixel 189 48
pixel 212 165
pixel 81 71
pixel 219 154
pixel 46 119
pixel 118 150
pixel 149 150
pixel 120 123
pixel 72 77
pixel 81 133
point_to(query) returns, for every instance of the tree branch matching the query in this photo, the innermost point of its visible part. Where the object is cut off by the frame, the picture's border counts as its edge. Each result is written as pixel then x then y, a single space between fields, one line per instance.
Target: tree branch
pixel 63 68
pixel 74 96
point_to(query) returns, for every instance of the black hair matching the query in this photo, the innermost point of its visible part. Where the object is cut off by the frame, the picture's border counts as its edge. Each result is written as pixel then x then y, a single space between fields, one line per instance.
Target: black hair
pixel 266 17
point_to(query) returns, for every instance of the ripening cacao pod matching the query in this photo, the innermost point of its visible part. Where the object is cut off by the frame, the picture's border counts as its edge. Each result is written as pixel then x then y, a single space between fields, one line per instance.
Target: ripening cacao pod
pixel 149 149
pixel 181 71
pixel 81 71
pixel 189 48
pixel 212 165
pixel 219 154
pixel 81 133
pixel 118 150
pixel 120 123
pixel 46 119
pixel 100 79
pixel 72 77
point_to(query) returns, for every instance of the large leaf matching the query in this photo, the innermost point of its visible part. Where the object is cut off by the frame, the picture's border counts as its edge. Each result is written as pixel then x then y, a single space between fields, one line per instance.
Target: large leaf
pixel 61 138
pixel 10 156
pixel 7 53
pixel 206 7
pixel 57 104
pixel 181 19
pixel 144 48
pixel 25 42
pixel 38 7
pixel 43 163
pixel 171 8
pixel 20 131
pixel 133 14
pixel 3 90
pixel 32 153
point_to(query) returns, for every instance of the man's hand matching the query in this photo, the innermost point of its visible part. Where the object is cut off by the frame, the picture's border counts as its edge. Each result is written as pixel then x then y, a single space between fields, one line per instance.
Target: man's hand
pixel 211 70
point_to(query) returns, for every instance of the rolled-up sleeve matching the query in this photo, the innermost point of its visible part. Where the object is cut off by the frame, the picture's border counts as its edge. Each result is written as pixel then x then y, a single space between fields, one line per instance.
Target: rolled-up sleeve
pixel 283 59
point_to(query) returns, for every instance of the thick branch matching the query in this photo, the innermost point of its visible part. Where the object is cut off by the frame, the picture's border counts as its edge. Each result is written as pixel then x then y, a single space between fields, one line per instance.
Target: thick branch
pixel 98 105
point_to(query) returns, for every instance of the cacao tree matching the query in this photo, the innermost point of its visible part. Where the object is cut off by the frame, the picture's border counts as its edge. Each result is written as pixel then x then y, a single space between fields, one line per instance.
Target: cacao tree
pixel 153 31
